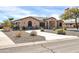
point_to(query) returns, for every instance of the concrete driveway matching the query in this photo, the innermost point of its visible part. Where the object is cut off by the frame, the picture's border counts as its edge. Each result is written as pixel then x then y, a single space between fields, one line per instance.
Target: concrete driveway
pixel 52 36
pixel 5 40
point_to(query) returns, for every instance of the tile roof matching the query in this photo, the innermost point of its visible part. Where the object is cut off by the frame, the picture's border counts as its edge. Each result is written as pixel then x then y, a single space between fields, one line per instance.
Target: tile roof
pixel 37 18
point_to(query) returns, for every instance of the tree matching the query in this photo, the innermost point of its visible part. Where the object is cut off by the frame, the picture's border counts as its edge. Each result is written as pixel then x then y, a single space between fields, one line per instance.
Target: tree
pixel 7 23
pixel 71 13
pixel 10 19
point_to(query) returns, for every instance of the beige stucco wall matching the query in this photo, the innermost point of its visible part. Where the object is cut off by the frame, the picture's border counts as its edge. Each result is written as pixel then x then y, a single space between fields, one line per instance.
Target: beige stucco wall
pixel 24 22
pixel 52 22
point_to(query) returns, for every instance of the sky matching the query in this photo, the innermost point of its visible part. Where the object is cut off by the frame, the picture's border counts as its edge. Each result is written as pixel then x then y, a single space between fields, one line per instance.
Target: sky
pixel 18 12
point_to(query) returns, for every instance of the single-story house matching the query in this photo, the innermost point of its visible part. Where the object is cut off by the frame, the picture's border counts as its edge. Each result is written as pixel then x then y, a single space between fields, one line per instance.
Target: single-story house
pixel 38 22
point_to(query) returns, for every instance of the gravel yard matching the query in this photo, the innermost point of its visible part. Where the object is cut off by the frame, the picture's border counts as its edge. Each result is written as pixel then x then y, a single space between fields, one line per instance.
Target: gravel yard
pixel 24 38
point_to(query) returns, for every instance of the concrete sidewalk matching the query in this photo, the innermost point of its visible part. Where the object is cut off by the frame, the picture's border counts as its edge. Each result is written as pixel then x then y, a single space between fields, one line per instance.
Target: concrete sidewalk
pixel 5 40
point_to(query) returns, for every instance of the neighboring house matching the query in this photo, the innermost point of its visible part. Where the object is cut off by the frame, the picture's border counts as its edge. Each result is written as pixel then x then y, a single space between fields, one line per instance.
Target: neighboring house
pixel 38 22
pixel 71 23
pixel 1 25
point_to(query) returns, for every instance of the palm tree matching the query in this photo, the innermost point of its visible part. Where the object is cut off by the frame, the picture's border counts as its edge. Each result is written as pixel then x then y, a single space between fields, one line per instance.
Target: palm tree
pixel 71 13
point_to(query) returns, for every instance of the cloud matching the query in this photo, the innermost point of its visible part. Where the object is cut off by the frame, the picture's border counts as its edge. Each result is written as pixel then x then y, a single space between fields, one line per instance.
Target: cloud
pixel 19 12
pixel 56 16
pixel 13 9
pixel 15 12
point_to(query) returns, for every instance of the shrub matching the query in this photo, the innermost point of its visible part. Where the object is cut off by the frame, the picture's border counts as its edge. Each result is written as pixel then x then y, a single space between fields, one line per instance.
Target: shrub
pixel 61 31
pixel 65 28
pixel 54 29
pixel 7 29
pixel 18 34
pixel 33 33
pixel 42 29
pixel 7 25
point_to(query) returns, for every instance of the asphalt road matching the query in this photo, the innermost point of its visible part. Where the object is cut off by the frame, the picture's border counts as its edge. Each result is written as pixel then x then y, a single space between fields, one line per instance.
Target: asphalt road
pixel 66 46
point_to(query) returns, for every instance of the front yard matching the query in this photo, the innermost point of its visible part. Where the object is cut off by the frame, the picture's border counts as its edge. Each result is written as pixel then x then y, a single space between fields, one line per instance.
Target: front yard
pixel 41 36
pixel 69 31
pixel 25 37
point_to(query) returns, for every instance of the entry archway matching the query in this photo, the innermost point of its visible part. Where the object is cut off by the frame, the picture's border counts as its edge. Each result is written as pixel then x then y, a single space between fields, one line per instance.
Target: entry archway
pixel 30 24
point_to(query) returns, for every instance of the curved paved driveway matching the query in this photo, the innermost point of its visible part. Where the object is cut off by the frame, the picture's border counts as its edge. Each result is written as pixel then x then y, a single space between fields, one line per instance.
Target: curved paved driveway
pixel 52 36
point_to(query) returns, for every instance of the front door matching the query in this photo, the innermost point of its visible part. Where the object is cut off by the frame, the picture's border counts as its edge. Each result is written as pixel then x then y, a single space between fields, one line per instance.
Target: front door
pixel 30 24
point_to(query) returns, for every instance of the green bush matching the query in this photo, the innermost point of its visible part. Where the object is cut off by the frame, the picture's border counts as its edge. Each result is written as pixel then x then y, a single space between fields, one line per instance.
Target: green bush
pixel 65 28
pixel 42 29
pixel 61 31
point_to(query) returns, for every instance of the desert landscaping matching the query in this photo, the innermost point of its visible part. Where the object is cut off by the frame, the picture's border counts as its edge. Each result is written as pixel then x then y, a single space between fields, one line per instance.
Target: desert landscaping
pixel 38 34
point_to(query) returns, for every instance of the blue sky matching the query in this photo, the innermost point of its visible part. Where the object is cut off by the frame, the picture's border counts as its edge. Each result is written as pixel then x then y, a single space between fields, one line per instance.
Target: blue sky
pixel 18 12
